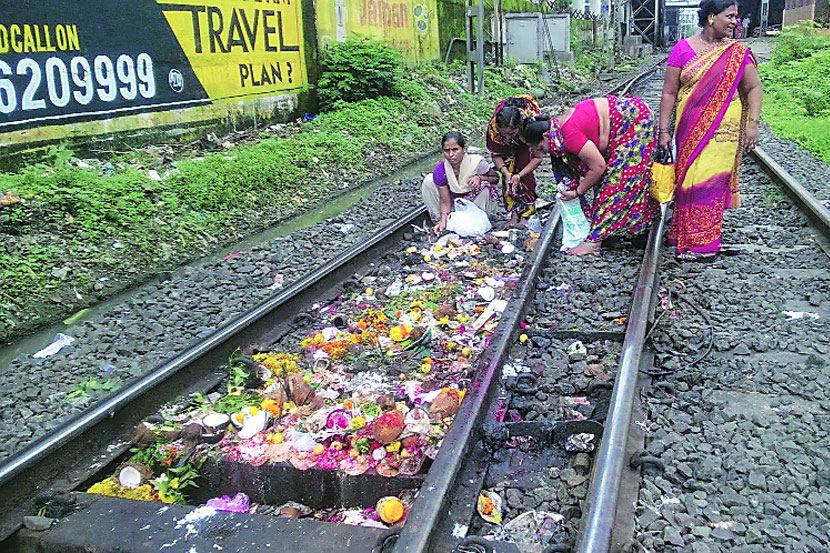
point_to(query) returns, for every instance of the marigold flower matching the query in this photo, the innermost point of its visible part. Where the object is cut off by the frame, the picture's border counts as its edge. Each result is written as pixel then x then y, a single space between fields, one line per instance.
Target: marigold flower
pixel 399 333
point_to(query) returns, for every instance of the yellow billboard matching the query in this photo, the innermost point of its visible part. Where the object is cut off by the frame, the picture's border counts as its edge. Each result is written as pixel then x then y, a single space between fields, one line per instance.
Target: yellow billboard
pixel 239 48
pixel 409 25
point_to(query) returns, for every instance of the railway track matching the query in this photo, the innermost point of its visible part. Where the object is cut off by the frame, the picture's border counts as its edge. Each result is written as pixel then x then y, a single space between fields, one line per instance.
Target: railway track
pixel 537 404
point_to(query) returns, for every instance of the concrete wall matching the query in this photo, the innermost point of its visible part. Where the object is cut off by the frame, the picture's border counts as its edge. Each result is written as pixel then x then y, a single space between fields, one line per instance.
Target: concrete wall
pixel 800 13
pixel 409 25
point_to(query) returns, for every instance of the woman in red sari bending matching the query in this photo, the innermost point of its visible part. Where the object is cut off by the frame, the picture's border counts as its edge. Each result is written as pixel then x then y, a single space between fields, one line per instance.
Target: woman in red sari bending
pixel 714 83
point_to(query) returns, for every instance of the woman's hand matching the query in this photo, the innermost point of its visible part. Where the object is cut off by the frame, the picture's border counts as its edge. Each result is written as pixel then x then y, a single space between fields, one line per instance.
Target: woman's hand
pixel 513 183
pixel 569 195
pixel 663 140
pixel 751 136
pixel 440 227
pixel 474 181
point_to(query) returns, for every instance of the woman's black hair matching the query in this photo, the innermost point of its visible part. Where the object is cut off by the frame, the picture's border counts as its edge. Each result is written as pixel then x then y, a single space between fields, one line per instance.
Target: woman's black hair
pixel 457 136
pixel 535 128
pixel 709 7
pixel 509 115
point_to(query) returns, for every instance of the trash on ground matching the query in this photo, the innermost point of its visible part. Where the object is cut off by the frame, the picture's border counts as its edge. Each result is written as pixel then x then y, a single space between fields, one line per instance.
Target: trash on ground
pixel 237 504
pixel 10 197
pixel 279 281
pixel 61 341
pixel 795 315
pixel 577 351
pixel 489 506
pixel 582 442
pixel 531 530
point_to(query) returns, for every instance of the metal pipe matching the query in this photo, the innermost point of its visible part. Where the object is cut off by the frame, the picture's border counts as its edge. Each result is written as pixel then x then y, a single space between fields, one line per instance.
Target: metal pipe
pixel 422 520
pixel 610 458
pixel 804 196
pixel 88 419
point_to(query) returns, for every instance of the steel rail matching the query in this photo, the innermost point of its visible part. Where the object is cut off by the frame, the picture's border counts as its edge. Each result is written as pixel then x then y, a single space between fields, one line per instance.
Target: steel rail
pixel 87 420
pixel 428 508
pixel 610 459
pixel 804 197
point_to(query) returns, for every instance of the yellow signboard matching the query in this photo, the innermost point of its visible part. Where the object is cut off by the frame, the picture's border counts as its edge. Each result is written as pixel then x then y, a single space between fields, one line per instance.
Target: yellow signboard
pixel 409 25
pixel 240 48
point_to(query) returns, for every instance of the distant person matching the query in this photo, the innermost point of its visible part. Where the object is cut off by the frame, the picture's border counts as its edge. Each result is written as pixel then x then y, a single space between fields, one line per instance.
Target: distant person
pixel 714 82
pixel 512 157
pixel 739 29
pixel 603 147
pixel 459 175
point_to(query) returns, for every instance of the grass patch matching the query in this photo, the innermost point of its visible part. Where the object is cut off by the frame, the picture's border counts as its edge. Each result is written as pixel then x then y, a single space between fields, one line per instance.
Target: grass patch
pixel 796 89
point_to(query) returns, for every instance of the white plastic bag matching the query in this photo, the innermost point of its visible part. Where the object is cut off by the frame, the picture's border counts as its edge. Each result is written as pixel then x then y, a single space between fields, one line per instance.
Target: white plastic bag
pixel 575 226
pixel 468 219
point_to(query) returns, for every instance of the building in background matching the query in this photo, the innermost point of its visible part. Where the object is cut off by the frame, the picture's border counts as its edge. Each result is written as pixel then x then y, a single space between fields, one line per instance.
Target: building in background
pixel 796 11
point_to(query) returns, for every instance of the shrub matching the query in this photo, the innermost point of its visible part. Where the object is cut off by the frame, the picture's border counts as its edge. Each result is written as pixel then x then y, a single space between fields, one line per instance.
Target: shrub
pixel 814 102
pixel 358 69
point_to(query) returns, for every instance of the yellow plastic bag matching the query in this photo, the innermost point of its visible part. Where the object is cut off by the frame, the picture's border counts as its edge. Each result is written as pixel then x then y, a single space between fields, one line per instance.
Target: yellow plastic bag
pixel 661 185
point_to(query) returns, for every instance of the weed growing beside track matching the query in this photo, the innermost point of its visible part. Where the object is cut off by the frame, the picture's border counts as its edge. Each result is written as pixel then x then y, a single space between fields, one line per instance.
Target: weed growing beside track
pixel 796 89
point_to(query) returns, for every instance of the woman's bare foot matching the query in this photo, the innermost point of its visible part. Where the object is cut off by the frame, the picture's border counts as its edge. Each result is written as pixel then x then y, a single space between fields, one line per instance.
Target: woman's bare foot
pixel 514 220
pixel 586 248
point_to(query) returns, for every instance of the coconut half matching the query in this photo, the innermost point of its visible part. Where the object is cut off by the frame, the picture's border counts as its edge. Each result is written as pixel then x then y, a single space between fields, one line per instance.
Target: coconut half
pixel 133 474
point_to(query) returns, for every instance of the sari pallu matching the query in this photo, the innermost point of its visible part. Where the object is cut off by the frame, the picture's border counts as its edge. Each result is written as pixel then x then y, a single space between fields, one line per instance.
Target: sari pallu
pixel 710 126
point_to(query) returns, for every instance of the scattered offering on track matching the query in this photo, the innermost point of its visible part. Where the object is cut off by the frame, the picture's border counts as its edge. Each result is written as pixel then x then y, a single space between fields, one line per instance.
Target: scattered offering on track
pixel 370 388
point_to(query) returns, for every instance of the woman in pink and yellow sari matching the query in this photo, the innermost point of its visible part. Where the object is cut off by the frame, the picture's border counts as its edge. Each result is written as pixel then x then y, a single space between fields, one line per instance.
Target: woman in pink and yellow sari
pixel 715 85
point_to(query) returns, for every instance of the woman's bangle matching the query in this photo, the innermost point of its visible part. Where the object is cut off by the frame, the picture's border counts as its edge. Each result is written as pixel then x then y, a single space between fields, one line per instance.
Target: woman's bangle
pixel 755 120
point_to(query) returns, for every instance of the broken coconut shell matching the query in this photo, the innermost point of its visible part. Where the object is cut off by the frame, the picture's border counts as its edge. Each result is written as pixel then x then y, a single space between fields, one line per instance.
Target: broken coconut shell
pixel 387 427
pixel 215 422
pixel 386 402
pixel 132 474
pixel 445 405
pixel 145 434
pixel 192 434
pixel 299 391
